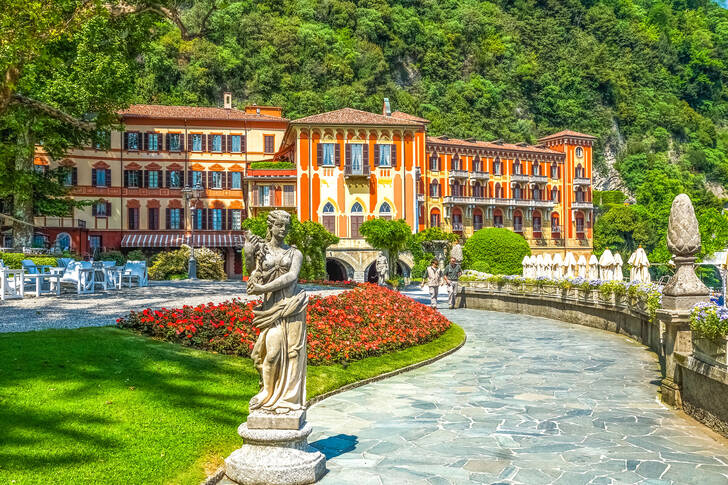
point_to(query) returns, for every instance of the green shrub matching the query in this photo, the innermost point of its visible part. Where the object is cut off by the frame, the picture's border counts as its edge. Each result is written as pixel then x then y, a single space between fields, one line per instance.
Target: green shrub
pixel 496 251
pixel 136 255
pixel 115 256
pixel 272 165
pixel 13 260
pixel 173 264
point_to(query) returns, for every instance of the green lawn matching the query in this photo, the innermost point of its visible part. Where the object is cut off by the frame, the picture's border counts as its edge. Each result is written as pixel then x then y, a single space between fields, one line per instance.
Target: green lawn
pixel 101 405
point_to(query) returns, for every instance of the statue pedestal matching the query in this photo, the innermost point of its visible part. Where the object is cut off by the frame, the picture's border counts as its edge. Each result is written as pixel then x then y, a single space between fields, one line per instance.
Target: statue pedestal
pixel 276 451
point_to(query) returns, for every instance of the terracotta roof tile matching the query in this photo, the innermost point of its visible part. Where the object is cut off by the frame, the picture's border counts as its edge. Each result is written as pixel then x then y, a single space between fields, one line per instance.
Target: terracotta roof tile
pixel 191 113
pixel 568 133
pixel 491 145
pixel 407 116
pixel 351 116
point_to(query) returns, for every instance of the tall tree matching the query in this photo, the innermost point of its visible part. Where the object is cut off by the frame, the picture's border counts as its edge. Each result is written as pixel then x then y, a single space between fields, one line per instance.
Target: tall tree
pixel 390 236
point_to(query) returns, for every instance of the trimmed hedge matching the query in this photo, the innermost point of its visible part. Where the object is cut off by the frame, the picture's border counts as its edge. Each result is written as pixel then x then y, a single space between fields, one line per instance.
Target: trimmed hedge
pixel 496 251
pixel 272 165
pixel 12 260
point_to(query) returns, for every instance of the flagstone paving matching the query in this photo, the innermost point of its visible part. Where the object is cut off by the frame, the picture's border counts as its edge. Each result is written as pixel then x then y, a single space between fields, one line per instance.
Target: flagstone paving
pixel 526 400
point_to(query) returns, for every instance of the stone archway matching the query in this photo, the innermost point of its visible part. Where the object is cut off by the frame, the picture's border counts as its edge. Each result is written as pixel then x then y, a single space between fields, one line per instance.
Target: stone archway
pixel 337 270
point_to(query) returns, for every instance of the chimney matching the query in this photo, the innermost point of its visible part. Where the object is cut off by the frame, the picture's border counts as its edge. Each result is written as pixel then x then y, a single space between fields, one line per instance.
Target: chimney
pixel 227 100
pixel 386 110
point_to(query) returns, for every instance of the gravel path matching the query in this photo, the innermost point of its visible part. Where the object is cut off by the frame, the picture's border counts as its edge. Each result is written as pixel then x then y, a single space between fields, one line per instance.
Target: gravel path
pixel 526 401
pixel 100 309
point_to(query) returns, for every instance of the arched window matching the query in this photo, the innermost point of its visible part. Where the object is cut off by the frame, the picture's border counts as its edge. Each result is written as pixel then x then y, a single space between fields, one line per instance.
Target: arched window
pixel 579 218
pixel 536 170
pixel 434 188
pixel 357 219
pixel 579 194
pixel 328 219
pixel 497 167
pixel 477 164
pixel 477 219
pixel 63 241
pixel 555 195
pixel 497 218
pixel 536 193
pixel 555 227
pixel 579 152
pixel 517 221
pixel 478 190
pixel 517 168
pixel 579 171
pixel 517 192
pixel 457 219
pixel 456 162
pixel 434 162
pixel 554 171
pixel 385 211
pixel 498 191
pixel 536 223
pixel 435 217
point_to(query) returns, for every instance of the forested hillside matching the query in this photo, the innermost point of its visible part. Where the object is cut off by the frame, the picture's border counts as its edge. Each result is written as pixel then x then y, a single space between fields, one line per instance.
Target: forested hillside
pixel 648 78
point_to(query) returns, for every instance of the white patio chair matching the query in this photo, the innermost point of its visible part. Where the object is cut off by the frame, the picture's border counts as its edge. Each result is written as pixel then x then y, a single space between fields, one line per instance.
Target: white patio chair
pixel 31 268
pixel 135 270
pixel 112 275
pixel 11 282
pixel 81 275
pixel 63 262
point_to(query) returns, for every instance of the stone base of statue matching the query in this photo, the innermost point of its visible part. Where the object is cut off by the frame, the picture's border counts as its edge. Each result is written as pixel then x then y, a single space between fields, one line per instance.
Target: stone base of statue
pixel 276 451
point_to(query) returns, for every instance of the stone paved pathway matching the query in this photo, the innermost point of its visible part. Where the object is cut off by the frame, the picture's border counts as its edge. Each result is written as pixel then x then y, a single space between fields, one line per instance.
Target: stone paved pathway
pixel 526 400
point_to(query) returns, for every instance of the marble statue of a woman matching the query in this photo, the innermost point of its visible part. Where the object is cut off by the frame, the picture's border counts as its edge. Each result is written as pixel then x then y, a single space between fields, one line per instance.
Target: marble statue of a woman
pixel 279 353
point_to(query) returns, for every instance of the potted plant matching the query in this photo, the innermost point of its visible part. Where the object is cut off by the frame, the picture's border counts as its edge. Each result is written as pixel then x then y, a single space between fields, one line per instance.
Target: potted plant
pixel 709 325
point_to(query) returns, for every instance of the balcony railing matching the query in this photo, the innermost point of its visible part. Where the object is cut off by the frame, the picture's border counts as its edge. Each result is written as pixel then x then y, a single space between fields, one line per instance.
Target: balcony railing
pixel 287 200
pixel 457 173
pixel 420 197
pixel 458 199
pixel 479 175
pixel 519 177
pixel 539 179
pixel 582 205
pixel 544 203
pixel 457 226
pixel 523 203
pixel 69 222
pixel 582 181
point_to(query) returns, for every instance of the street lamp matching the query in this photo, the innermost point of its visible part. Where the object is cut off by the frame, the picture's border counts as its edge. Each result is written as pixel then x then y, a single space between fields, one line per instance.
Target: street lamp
pixel 191 196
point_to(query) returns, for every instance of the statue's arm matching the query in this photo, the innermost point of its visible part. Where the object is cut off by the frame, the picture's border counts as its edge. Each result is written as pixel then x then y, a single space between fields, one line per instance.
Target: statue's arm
pixel 286 279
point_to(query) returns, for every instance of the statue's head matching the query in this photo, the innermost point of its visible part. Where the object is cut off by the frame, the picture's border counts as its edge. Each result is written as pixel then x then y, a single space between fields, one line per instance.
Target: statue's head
pixel 279 222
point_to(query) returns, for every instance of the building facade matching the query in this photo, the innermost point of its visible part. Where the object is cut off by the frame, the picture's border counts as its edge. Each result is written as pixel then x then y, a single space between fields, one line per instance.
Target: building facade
pixel 542 192
pixel 344 167
pixel 353 166
pixel 136 184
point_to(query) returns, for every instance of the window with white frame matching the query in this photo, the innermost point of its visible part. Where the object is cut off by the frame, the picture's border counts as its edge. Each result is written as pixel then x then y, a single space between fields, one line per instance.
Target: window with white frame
pixel 216 219
pixel 235 181
pixel 196 143
pixel 216 143
pixel 132 140
pixel 357 155
pixel 327 154
pixel 236 145
pixel 175 218
pixel 237 219
pixel 153 179
pixel 175 142
pixel 385 211
pixel 385 155
pixel 217 180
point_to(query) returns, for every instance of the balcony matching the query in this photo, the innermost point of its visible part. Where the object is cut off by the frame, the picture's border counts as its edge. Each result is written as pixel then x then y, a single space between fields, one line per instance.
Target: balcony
pixel 544 203
pixel 582 181
pixel 420 197
pixel 350 172
pixel 519 177
pixel 271 174
pixel 479 175
pixel 460 174
pixel 539 179
pixel 457 227
pixel 523 203
pixel 67 222
pixel 582 205
pixel 286 200
pixel 458 199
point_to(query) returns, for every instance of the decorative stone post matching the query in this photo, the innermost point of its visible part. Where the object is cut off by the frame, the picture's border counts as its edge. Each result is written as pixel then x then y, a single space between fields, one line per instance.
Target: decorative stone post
pixel 680 294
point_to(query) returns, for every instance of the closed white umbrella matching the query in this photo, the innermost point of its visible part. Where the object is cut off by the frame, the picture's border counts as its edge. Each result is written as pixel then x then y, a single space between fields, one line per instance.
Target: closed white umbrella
pixel 570 265
pixel 633 268
pixel 547 266
pixel 539 266
pixel 618 263
pixel 593 267
pixel 640 266
pixel 526 263
pixel 606 263
pixel 582 270
pixel 557 266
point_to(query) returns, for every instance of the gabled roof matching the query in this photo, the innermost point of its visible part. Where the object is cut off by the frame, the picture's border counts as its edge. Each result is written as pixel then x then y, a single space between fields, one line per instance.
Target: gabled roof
pixel 192 113
pixel 565 133
pixel 407 116
pixel 351 116
pixel 433 140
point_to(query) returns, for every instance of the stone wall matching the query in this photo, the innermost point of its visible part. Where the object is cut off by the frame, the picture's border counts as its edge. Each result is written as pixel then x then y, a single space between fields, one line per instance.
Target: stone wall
pixel 703 387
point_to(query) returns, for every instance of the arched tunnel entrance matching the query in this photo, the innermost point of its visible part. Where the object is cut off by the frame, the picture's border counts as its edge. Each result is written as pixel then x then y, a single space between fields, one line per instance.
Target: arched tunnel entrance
pixel 335 270
pixel 371 273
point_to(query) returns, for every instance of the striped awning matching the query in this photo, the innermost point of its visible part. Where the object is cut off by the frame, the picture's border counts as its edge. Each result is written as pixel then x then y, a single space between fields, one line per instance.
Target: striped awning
pixel 175 240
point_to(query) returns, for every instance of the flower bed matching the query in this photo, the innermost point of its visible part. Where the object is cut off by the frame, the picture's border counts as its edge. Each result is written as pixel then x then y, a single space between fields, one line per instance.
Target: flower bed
pixel 366 321
pixel 338 284
pixel 709 321
pixel 646 296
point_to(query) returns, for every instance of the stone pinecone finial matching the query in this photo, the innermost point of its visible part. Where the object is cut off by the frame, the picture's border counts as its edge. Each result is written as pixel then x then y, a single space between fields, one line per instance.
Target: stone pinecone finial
pixel 683 234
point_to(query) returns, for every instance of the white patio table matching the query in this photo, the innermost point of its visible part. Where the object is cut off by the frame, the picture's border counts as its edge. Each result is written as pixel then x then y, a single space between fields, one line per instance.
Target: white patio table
pixel 11 283
pixel 53 285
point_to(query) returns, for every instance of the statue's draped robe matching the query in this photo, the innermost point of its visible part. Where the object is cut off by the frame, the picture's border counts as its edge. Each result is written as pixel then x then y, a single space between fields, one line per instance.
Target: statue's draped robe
pixel 286 310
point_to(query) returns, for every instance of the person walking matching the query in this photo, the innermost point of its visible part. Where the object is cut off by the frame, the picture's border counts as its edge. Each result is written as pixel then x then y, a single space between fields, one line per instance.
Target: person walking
pixel 432 279
pixel 452 275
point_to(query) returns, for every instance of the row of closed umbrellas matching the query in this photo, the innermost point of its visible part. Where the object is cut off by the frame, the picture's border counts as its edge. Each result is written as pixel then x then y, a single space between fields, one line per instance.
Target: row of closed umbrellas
pixel 608 267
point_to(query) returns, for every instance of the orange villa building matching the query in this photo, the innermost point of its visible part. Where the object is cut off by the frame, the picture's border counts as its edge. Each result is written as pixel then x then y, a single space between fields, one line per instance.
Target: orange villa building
pixel 348 166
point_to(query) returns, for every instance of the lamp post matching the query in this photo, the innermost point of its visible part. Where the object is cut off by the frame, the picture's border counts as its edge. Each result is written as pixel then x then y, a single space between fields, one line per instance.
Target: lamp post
pixel 191 196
